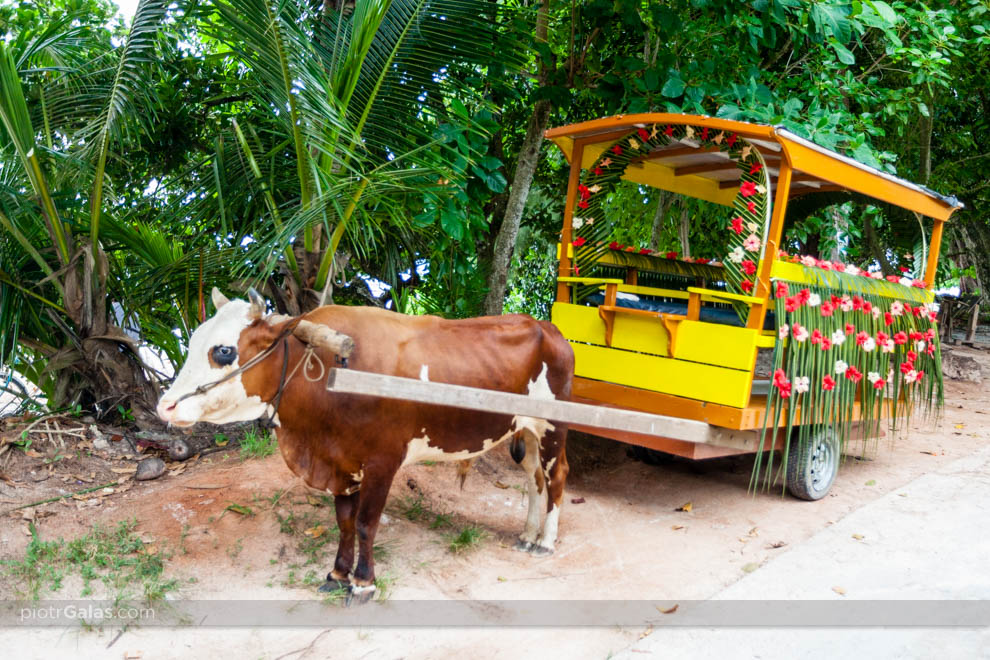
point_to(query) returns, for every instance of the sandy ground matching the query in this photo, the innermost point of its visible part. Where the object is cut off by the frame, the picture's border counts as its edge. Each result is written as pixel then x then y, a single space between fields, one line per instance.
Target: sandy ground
pixel 626 540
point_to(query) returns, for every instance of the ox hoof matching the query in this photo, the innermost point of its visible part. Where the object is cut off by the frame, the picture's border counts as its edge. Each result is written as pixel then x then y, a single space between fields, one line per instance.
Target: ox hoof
pixel 360 595
pixel 332 585
pixel 540 551
pixel 523 546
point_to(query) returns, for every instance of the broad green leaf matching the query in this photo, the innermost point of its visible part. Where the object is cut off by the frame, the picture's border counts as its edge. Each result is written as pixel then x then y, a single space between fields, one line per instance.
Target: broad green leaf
pixel 845 55
pixel 673 88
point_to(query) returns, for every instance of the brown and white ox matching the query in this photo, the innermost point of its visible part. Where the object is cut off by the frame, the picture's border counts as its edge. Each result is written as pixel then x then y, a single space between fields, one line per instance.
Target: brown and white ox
pixel 352 445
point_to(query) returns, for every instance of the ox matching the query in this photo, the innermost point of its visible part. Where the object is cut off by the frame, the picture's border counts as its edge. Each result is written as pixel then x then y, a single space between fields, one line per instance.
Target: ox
pixel 351 446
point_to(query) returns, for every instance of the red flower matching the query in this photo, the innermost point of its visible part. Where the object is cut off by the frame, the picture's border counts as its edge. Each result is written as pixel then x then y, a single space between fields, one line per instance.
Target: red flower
pixel 932 316
pixel 867 307
pixel 850 328
pixel 614 246
pixel 755 167
pixel 827 308
pixel 816 336
pixel 857 303
pixel 882 337
pixel 792 303
pixel 643 135
pixel 702 260
pixel 704 133
pixel 737 225
pixel 644 251
pixel 835 300
pixel 732 140
pixel 878 384
pixel 747 189
pixel 630 249
pixel 862 337
pixel 930 334
pixel 919 283
pixel 900 338
pixel 583 204
pixel 921 374
pixel 916 336
pixel 906 367
pixel 803 295
pixel 748 267
pixel 617 150
pixel 746 286
pixel 931 349
pixel 669 130
pixel 751 207
pixel 781 289
pixel 893 278
pixel 904 269
pixel 916 311
pixel 888 318
pixel 579 241
pixel 826 343
pixel 671 255
pixel 585 192
pixel 598 171
pixel 854 374
pixel 781 383
pixel 828 383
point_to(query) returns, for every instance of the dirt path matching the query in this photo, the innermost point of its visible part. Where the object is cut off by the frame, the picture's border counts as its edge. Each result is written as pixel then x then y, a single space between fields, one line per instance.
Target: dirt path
pixel 624 541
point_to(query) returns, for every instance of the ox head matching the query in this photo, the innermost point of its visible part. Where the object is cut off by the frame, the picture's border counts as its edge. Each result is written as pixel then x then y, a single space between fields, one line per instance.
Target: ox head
pixel 213 353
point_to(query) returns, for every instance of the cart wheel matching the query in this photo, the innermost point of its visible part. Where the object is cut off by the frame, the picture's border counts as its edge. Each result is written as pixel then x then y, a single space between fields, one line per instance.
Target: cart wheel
pixel 811 469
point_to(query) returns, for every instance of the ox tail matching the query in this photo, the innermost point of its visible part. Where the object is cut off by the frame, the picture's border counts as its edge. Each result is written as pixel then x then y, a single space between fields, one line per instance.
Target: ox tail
pixel 463 467
pixel 517 446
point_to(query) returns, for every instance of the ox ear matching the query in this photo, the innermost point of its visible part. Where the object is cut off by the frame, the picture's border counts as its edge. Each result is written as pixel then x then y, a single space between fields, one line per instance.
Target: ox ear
pixel 258 304
pixel 219 300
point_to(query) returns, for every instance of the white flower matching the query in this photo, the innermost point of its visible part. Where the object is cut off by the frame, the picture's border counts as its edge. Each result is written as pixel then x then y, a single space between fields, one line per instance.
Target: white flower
pixel 752 227
pixel 919 345
pixel 737 255
pixel 577 223
pixel 838 337
pixel 800 333
pixel 752 243
pixel 852 270
pixel 802 384
pixel 896 308
pixel 808 261
pixel 846 304
pixel 840 367
pixel 887 346
pixel 876 312
pixel 869 344
pixel 784 329
pixel 911 376
pixel 873 377
pixel 814 300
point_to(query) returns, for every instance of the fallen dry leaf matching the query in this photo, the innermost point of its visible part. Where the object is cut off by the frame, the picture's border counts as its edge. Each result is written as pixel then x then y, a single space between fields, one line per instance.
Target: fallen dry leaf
pixel 315 532
pixel 130 469
pixel 684 507
pixel 577 500
pixel 313 501
pixel 499 484
pixel 750 567
pixel 150 549
pixel 930 453
pixel 858 537
pixel 669 610
pixel 754 531
pixel 839 590
pixel 676 527
pixel 646 633
pixel 776 544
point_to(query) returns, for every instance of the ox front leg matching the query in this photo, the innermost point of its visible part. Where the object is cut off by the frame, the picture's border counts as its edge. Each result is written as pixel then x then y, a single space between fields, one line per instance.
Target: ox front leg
pixel 346 507
pixel 534 489
pixel 555 470
pixel 374 492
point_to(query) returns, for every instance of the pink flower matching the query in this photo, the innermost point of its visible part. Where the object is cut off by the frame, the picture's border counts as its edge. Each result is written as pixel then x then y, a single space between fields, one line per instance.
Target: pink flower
pixel 850 328
pixel 781 291
pixel 900 338
pixel 862 337
pixel 747 189
pixel 799 332
pixel 751 207
pixel 816 336
pixel 752 243
pixel 792 303
pixel 783 330
pixel 781 383
pixel 826 343
pixel 827 308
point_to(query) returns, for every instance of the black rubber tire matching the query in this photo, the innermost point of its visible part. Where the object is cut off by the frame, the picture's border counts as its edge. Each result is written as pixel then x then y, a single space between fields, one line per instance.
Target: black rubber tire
pixel 811 469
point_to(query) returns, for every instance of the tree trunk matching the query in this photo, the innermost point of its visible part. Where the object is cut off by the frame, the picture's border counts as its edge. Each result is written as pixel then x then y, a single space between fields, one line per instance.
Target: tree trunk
pixel 683 231
pixel 505 243
pixel 663 205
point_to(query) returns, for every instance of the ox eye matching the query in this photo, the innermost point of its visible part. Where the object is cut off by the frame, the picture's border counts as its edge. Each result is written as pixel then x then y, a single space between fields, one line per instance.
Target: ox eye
pixel 224 355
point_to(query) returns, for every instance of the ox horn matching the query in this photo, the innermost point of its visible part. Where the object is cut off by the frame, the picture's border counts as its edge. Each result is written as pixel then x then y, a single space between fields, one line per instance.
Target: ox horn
pixel 318 335
pixel 219 300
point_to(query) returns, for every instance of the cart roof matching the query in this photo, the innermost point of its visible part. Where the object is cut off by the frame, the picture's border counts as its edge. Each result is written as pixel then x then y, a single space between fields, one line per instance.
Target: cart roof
pixel 686 167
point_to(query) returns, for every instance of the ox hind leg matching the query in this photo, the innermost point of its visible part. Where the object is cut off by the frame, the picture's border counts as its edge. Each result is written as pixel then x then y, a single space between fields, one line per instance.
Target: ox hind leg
pixel 346 507
pixel 530 464
pixel 553 462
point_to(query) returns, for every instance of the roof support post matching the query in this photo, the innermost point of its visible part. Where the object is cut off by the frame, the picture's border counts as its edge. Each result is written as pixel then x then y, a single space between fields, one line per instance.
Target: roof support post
pixel 758 313
pixel 567 232
pixel 933 250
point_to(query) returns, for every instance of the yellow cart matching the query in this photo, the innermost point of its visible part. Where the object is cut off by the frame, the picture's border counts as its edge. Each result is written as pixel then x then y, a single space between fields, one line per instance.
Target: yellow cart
pixel 680 339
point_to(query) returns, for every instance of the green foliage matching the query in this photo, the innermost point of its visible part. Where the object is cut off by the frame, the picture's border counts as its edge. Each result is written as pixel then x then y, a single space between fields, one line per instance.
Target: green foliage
pixel 257 444
pixel 467 539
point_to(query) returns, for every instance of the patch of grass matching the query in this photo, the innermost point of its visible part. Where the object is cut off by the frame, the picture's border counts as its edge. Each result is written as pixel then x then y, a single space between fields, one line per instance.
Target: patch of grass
pixel 466 539
pixel 414 508
pixel 258 445
pixel 115 556
pixel 441 520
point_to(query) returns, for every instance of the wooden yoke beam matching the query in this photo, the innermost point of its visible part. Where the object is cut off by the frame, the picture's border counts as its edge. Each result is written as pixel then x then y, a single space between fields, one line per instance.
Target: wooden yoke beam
pixel 758 312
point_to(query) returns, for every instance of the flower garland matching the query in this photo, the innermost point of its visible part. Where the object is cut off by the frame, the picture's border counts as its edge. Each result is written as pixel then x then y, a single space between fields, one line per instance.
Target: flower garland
pixel 809 261
pixel 835 352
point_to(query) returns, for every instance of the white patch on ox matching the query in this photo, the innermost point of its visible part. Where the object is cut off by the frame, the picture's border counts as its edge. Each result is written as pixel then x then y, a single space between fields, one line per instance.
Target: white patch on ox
pixel 221 404
pixel 549 537
pixel 530 465
pixel 424 373
pixel 420 449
